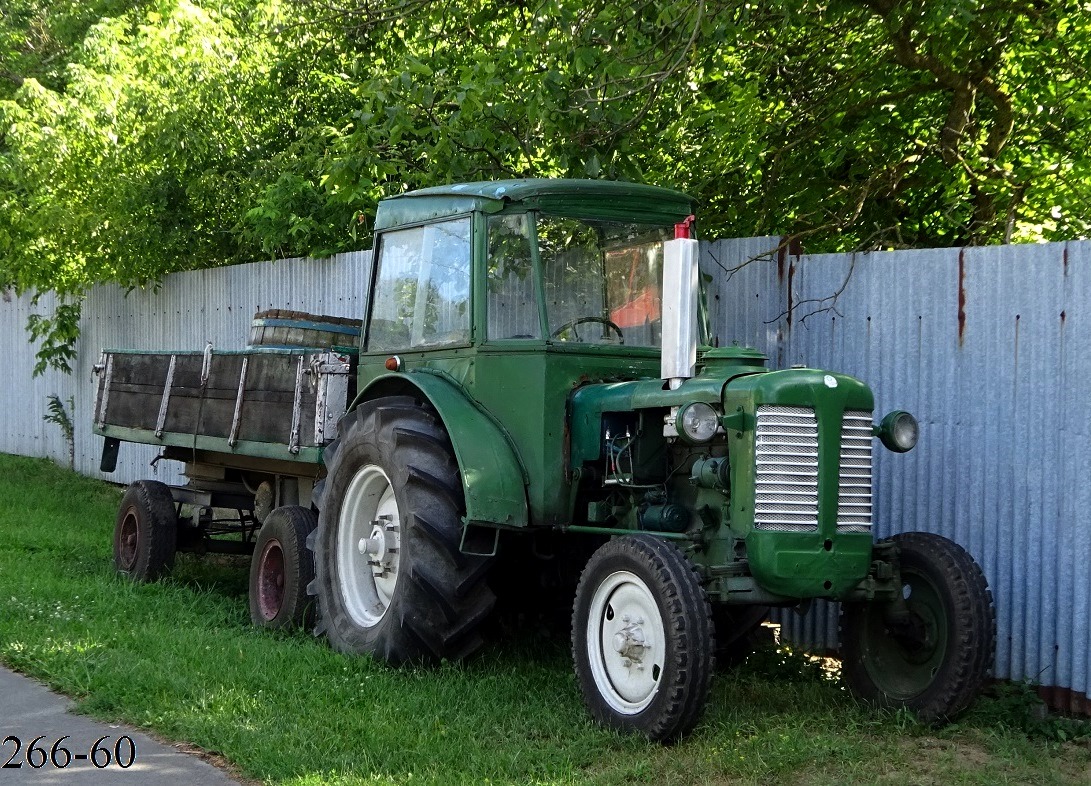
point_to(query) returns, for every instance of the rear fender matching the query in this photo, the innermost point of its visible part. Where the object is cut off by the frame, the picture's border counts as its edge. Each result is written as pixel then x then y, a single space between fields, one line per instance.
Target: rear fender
pixel 493 478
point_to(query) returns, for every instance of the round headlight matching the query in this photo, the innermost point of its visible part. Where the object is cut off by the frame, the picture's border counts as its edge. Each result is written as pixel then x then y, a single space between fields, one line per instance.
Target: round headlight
pixel 697 422
pixel 899 431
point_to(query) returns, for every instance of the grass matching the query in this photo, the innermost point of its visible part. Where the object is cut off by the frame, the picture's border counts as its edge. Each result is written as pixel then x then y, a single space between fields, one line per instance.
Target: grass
pixel 180 658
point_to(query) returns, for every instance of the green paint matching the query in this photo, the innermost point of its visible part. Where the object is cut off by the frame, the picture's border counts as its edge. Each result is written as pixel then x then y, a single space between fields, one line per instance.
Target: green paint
pixel 599 198
pixel 617 531
pixel 798 564
pixel 569 435
pixel 555 433
pixel 492 474
pixel 268 450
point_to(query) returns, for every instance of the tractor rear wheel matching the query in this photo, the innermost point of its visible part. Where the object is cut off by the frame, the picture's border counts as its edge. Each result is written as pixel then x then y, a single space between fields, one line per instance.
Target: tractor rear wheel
pixel 390 577
pixel 146 531
pixel 934 660
pixel 281 568
pixel 642 638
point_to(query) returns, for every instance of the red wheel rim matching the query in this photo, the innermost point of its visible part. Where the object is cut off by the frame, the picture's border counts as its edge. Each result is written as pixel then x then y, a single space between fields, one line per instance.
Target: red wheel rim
pixel 128 540
pixel 271 580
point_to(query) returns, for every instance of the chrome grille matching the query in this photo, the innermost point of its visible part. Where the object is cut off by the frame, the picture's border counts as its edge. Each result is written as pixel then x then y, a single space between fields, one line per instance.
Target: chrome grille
pixel 786 479
pixel 854 480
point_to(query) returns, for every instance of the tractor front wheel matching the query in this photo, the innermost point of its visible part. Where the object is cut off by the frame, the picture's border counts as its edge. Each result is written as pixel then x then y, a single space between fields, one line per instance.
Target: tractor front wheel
pixel 932 654
pixel 642 638
pixel 391 579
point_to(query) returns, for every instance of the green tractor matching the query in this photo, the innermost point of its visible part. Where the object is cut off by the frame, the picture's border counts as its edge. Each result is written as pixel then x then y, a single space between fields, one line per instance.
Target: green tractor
pixel 535 401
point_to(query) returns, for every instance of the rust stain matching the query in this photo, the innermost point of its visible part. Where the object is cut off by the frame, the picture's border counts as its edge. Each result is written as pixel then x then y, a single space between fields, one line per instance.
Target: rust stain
pixel 1062 318
pixel 792 247
pixel 1016 344
pixel 1065 700
pixel 1064 257
pixel 961 295
pixel 791 295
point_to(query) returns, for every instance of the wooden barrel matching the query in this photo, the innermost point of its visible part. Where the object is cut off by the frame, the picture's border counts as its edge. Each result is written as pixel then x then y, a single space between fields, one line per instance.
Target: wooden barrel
pixel 281 328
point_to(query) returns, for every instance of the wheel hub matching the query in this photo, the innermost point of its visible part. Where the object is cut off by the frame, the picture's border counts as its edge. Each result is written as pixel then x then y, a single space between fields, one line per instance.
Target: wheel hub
pixel 625 642
pixel 128 541
pixel 381 546
pixel 368 546
pixel 271 581
pixel 630 642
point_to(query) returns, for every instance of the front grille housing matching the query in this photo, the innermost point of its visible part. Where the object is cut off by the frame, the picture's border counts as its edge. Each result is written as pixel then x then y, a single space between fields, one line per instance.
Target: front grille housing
pixel 786 476
pixel 786 473
pixel 854 475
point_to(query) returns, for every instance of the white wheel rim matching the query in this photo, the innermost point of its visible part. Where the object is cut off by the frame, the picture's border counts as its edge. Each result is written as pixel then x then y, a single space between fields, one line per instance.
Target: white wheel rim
pixel 626 642
pixel 368 546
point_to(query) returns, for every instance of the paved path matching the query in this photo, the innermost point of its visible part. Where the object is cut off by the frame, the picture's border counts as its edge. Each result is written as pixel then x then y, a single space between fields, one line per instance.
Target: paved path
pixel 29 710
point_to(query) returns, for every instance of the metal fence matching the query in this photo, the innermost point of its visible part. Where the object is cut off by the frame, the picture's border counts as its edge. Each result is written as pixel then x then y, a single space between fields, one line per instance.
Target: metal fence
pixel 989 347
pixel 184 312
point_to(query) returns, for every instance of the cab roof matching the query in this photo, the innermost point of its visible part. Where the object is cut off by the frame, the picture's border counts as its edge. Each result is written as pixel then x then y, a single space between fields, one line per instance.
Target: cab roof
pixel 602 199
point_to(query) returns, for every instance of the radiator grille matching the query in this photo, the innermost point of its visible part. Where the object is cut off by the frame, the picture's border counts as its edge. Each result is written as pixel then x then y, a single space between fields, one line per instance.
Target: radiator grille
pixel 786 480
pixel 854 482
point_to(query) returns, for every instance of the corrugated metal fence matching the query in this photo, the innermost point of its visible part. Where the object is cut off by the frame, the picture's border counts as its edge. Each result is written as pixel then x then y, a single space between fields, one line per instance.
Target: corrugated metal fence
pixel 186 311
pixel 989 347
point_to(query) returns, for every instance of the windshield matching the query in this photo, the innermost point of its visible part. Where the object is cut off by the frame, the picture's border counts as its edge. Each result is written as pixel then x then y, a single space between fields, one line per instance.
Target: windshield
pixel 601 280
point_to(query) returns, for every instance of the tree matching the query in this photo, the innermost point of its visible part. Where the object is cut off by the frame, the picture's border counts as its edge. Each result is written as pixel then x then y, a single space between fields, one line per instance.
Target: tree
pixel 142 164
pixel 138 140
pixel 861 124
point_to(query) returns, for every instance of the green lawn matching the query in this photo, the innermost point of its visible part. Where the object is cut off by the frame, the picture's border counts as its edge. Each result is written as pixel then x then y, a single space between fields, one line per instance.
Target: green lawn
pixel 180 658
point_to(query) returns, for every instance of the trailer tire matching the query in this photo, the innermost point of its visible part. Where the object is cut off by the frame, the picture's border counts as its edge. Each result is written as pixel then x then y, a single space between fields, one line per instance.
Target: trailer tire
pixel 281 568
pixel 390 577
pixel 938 674
pixel 146 531
pixel 642 638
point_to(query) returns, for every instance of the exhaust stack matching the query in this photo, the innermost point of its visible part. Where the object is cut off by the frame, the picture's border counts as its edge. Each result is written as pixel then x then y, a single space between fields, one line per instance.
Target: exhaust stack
pixel 679 355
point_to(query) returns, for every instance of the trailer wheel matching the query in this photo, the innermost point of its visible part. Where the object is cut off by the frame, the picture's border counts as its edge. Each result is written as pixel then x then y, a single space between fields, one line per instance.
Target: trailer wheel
pixel 281 568
pixel 146 532
pixel 390 577
pixel 642 638
pixel 935 662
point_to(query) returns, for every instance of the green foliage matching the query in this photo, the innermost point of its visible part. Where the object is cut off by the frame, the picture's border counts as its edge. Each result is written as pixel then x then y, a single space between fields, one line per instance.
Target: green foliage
pixel 1017 706
pixel 59 416
pixel 788 664
pixel 58 335
pixel 140 139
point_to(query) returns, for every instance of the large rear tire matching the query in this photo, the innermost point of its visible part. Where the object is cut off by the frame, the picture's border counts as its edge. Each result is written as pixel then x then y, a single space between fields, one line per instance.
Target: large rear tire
pixel 936 664
pixel 281 568
pixel 390 577
pixel 642 638
pixel 146 531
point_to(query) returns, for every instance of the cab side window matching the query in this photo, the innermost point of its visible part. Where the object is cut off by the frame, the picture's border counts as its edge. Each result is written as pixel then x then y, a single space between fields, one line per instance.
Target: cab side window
pixel 422 288
pixel 512 302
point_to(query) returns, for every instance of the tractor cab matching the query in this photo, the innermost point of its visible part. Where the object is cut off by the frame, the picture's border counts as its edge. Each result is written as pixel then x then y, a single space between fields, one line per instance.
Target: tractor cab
pixel 550 264
pixel 517 293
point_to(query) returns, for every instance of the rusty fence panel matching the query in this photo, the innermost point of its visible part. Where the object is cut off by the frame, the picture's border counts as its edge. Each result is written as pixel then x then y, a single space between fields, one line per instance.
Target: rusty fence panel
pixel 991 349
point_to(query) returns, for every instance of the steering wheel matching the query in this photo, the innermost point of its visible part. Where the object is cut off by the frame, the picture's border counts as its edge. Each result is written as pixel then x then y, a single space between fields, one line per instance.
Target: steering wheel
pixel 571 325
